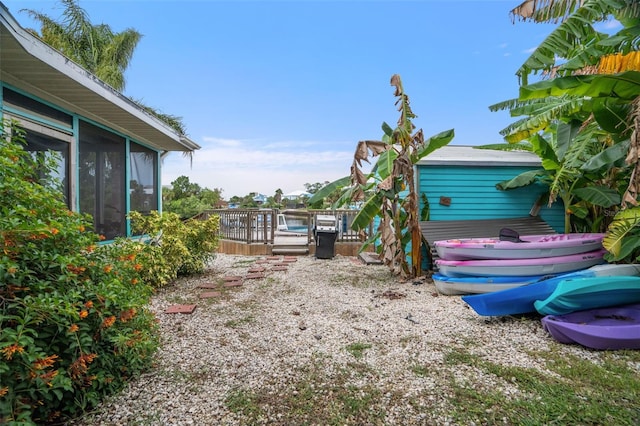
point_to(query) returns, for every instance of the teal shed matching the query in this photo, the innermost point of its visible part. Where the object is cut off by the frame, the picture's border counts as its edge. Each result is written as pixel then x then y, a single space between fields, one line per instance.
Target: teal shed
pixel 459 183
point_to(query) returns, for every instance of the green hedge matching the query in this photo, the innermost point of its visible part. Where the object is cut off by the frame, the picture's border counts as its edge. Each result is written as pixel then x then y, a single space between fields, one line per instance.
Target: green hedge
pixel 74 318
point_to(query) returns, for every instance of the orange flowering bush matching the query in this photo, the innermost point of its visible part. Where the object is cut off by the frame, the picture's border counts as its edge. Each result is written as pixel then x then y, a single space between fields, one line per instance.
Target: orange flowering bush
pixel 74 322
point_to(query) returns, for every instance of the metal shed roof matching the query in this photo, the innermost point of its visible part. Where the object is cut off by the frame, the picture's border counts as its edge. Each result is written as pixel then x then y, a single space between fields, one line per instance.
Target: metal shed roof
pixel 33 66
pixel 471 156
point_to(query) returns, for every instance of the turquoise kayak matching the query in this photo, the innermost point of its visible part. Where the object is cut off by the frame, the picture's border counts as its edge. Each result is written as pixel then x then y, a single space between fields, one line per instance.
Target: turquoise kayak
pixel 520 300
pixel 580 294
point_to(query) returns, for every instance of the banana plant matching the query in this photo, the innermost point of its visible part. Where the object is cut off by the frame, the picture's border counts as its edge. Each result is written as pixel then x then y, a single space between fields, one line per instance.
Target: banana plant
pixel 387 191
pixel 575 167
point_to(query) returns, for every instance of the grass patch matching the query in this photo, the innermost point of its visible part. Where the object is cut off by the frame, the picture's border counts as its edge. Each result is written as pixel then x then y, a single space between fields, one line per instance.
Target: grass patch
pixel 578 391
pixel 239 322
pixel 361 279
pixel 317 395
pixel 420 370
pixel 243 263
pixel 357 349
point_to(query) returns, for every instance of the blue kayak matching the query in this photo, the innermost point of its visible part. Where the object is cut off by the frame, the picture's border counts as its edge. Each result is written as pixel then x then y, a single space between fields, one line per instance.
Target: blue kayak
pixel 580 294
pixel 473 285
pixel 520 300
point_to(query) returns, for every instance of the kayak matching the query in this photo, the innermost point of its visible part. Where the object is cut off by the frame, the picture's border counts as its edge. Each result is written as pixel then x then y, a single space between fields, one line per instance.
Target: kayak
pixel 519 247
pixel 616 327
pixel 520 300
pixel 580 294
pixel 519 267
pixel 477 285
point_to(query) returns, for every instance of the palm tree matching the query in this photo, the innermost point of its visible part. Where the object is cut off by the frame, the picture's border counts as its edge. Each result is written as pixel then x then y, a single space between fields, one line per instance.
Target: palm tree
pixel 95 47
pixel 278 197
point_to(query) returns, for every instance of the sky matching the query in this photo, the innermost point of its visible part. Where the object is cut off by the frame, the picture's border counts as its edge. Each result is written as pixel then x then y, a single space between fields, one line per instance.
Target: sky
pixel 278 93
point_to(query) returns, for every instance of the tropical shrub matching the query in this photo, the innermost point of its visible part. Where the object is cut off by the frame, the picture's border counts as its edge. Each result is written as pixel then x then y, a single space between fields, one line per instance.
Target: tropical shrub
pixel 175 247
pixel 74 326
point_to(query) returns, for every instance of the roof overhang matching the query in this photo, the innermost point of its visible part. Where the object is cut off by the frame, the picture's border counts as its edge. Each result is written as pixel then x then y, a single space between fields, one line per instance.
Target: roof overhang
pixel 36 68
pixel 463 155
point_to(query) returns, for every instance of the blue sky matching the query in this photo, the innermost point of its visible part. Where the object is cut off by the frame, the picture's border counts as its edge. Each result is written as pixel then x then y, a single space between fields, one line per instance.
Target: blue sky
pixel 278 93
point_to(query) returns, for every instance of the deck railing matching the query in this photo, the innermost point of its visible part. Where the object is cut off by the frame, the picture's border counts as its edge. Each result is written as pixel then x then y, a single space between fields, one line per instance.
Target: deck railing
pixel 255 226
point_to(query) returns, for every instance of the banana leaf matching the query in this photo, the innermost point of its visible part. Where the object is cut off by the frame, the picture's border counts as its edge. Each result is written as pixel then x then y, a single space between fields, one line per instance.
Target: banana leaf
pixel 624 226
pixel 624 86
pixel 607 157
pixel 367 213
pixel 326 190
pixel 385 163
pixel 431 144
pixel 523 179
pixel 598 195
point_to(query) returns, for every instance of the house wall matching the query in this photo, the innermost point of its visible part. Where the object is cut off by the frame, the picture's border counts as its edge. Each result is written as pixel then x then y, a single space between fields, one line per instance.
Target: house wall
pixel 459 192
pixel 104 173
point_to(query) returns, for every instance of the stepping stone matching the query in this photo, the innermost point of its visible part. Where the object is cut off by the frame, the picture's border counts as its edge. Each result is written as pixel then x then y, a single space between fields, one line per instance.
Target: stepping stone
pixel 230 284
pixel 180 309
pixel 209 285
pixel 262 261
pixel 232 278
pixel 255 276
pixel 273 258
pixel 280 264
pixel 290 260
pixel 257 269
pixel 210 294
pixel 280 268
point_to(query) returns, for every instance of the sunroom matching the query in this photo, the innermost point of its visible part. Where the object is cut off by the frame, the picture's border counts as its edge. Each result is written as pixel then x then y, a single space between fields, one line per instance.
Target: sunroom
pixel 109 148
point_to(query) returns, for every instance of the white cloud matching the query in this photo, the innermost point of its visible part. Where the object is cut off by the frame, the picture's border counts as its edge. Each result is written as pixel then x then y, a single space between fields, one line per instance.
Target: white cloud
pixel 240 167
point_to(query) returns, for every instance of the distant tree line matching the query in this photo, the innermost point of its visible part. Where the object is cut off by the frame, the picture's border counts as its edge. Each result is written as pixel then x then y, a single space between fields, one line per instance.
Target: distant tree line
pixel 188 199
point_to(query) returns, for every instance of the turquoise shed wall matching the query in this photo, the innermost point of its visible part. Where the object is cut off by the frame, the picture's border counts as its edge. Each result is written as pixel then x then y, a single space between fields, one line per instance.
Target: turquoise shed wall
pixel 473 194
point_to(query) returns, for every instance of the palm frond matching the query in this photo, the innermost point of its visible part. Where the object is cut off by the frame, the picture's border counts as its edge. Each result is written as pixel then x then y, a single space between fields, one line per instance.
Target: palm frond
pixel 544 10
pixel 575 30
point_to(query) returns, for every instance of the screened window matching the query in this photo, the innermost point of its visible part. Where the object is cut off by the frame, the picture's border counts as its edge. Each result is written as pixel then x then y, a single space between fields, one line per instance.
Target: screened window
pixel 46 148
pixel 102 179
pixel 45 143
pixel 143 182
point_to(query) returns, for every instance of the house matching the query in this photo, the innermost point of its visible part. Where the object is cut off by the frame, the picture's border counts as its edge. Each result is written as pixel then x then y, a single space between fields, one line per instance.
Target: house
pixel 110 149
pixel 260 199
pixel 459 183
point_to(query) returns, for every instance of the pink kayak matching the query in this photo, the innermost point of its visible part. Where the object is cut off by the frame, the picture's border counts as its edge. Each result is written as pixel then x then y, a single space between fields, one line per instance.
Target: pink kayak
pixel 520 267
pixel 524 247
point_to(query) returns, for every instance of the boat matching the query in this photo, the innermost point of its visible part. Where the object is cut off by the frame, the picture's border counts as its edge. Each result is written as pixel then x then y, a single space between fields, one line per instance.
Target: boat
pixel 520 300
pixel 519 267
pixel 611 328
pixel 512 246
pixel 580 294
pixel 452 286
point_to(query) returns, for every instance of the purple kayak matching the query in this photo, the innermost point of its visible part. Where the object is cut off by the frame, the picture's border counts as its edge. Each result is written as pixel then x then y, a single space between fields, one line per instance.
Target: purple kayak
pixel 525 247
pixel 520 267
pixel 616 327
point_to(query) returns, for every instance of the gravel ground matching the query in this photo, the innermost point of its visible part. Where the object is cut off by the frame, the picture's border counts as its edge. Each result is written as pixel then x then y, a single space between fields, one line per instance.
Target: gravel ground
pixel 300 330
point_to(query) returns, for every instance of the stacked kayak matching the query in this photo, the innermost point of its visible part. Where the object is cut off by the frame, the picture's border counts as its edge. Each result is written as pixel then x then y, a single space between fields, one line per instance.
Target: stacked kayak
pixel 514 246
pixel 521 300
pixel 486 265
pixel 598 308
